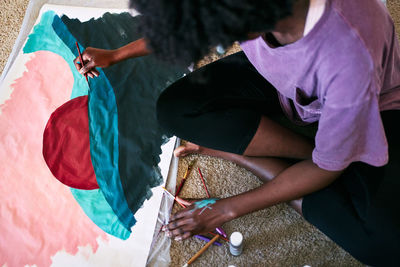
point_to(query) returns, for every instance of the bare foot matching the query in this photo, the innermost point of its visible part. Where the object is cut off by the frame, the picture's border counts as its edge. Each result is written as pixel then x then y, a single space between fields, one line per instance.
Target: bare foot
pixel 187 149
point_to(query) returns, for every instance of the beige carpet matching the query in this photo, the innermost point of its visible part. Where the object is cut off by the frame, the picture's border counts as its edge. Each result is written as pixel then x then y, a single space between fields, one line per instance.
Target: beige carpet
pixel 273 237
pixel 12 13
pixel 277 236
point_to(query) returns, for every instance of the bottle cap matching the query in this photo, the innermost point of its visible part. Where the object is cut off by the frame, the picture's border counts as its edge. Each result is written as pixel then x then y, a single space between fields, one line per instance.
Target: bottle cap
pixel 236 239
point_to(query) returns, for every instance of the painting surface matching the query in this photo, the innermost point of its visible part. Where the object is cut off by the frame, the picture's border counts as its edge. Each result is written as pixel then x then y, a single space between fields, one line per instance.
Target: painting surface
pixel 44 220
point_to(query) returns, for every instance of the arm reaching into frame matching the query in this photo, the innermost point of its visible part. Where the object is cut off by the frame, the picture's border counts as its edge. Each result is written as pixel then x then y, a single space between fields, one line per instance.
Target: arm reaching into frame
pixel 295 182
pixel 102 58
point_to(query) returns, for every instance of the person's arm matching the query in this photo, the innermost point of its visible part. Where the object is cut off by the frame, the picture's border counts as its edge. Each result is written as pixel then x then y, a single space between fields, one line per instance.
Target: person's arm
pixel 297 181
pixel 102 58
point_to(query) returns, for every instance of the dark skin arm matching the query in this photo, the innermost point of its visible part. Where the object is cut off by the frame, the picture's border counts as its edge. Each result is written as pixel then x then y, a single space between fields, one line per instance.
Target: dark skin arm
pixel 102 58
pixel 296 181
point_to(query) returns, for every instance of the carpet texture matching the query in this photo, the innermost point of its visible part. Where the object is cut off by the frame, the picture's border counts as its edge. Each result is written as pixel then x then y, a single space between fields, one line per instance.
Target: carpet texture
pixel 12 14
pixel 276 236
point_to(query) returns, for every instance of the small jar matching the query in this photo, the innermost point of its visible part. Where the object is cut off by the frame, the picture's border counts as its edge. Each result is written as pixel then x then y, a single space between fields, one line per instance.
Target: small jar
pixel 236 243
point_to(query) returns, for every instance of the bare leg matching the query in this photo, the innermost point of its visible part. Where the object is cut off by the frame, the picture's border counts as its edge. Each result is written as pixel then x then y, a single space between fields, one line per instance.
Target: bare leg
pixel 270 140
pixel 265 168
pixel 274 140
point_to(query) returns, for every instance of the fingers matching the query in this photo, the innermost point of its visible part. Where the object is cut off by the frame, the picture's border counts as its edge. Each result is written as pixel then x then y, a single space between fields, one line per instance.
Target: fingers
pixel 180 229
pixel 181 225
pixel 184 236
pixel 78 66
pixel 95 72
pixel 87 68
pixel 180 215
pixel 179 234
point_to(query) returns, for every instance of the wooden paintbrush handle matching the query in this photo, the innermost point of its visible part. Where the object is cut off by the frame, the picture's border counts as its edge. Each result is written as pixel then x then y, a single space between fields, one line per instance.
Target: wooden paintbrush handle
pixel 203 249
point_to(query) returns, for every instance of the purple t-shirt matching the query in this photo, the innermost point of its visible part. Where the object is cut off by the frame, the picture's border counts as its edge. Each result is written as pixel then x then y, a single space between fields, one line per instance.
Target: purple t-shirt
pixel 342 74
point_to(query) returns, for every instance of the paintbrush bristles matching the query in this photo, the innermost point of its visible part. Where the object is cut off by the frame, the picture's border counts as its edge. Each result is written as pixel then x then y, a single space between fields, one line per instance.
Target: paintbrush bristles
pixel 178 199
pixel 189 168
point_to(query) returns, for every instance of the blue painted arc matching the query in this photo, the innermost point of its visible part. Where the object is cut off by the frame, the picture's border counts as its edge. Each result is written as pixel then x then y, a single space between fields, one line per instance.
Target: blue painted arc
pixel 50 34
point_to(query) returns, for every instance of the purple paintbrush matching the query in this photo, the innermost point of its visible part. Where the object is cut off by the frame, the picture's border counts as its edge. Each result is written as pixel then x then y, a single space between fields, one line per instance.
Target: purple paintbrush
pixel 204 238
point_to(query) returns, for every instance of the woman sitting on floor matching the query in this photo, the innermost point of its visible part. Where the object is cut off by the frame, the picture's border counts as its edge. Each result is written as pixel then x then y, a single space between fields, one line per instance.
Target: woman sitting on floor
pixel 330 67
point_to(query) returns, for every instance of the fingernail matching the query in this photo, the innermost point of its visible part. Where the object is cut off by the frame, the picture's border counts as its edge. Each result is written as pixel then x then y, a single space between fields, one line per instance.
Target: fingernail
pixel 168 233
pixel 178 238
pixel 164 228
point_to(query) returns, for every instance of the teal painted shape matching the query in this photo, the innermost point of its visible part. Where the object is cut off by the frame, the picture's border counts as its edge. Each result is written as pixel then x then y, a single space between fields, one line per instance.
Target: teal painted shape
pixel 45 38
pixel 204 203
pixel 94 204
pixel 103 133
pixel 104 148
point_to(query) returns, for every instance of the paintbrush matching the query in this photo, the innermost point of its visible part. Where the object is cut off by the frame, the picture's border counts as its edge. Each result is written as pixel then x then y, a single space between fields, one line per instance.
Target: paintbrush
pixel 201 251
pixel 204 238
pixel 180 201
pixel 204 184
pixel 81 59
pixel 223 238
pixel 218 229
pixel 189 168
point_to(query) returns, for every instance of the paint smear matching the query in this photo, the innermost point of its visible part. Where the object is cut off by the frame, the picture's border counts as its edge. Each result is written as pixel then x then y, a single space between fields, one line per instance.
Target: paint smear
pixel 38 214
pixel 135 85
pixel 43 37
pixel 50 34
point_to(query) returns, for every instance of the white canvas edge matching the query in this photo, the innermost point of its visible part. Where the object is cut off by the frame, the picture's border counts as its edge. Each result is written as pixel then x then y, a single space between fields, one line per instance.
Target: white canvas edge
pixel 36 6
pixel 138 245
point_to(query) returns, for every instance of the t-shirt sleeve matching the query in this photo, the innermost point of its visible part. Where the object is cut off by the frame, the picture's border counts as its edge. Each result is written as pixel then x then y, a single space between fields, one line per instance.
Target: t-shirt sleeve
pixel 349 133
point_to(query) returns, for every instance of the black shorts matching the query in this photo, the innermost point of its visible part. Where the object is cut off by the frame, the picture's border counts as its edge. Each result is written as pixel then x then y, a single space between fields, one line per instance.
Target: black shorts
pixel 220 106
pixel 361 210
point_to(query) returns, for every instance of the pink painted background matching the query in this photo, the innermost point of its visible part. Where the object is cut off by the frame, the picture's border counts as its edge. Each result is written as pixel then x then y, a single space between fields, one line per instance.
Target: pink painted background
pixel 38 215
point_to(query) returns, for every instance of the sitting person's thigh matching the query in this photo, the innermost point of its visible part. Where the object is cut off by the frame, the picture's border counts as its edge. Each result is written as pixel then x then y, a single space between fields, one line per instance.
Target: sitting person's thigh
pixel 219 105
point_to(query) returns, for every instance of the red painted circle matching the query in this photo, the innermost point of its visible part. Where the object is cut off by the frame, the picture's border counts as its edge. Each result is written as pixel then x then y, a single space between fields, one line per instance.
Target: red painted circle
pixel 66 147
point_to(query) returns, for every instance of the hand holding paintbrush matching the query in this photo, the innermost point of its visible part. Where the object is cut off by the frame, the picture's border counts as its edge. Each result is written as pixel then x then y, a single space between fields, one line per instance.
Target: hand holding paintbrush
pixel 81 61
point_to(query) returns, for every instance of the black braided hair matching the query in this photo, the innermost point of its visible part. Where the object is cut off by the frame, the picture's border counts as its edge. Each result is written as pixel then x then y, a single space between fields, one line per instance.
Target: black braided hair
pixel 183 31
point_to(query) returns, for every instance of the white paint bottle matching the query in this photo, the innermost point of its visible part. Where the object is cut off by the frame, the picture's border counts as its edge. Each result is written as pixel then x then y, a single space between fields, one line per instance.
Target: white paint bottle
pixel 236 243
